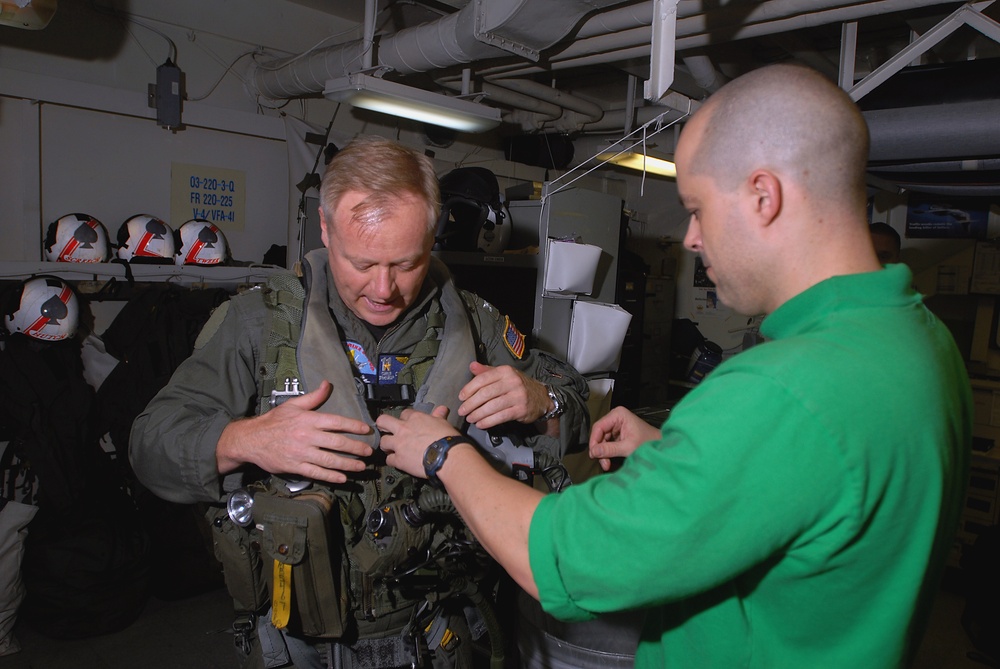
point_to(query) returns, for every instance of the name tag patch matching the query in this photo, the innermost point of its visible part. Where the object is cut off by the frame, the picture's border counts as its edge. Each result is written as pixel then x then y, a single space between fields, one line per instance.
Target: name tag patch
pixel 389 366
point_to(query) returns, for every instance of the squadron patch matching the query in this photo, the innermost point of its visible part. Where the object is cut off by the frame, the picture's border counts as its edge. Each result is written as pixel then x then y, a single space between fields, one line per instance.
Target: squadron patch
pixel 513 339
pixel 361 361
pixel 389 367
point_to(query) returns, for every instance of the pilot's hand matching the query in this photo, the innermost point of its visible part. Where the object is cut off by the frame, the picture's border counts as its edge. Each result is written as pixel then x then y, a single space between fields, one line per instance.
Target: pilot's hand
pixel 497 395
pixel 294 438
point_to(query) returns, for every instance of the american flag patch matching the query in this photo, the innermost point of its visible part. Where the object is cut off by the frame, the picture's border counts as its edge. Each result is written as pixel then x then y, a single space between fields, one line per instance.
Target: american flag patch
pixel 513 339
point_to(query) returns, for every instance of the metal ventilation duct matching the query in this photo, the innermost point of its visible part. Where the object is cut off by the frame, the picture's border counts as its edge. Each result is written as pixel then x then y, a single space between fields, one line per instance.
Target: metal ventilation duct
pixel 950 129
pixel 481 30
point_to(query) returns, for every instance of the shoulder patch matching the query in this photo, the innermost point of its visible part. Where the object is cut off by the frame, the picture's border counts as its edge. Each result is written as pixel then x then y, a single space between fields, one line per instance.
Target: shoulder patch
pixel 212 325
pixel 513 339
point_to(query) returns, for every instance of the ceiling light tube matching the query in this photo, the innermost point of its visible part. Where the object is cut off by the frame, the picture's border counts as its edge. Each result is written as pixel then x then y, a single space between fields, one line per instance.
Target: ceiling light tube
pixel 641 162
pixel 389 97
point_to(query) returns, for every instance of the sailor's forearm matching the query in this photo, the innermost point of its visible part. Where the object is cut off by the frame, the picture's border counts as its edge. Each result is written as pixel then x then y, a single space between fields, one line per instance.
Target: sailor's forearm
pixel 497 509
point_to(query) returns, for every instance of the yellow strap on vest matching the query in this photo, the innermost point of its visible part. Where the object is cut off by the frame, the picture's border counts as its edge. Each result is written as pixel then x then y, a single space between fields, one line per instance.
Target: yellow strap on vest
pixel 281 598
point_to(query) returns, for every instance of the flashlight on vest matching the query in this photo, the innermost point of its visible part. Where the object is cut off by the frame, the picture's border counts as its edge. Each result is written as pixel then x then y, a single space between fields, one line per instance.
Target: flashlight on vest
pixel 239 506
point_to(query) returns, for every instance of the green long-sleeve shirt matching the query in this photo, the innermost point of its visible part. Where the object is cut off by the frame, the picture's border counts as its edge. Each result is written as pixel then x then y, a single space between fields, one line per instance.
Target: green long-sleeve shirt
pixel 799 504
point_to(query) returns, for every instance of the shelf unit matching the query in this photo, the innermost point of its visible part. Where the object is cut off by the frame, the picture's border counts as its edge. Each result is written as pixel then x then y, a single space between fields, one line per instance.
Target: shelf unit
pixel 90 277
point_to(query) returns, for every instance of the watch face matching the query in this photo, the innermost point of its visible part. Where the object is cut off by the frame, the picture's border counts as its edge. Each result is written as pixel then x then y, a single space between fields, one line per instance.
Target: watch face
pixel 436 453
pixel 431 455
pixel 434 457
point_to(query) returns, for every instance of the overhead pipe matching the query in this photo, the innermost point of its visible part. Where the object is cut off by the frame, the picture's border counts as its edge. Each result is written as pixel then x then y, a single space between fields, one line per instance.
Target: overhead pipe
pixel 704 73
pixel 946 177
pixel 974 165
pixel 567 123
pixel 590 110
pixel 560 61
pixel 883 146
pixel 510 98
pixel 953 190
pixel 521 26
pixel 543 107
pixel 368 40
pixel 693 31
pixel 451 40
pixel 952 130
pixel 630 103
pixel 615 119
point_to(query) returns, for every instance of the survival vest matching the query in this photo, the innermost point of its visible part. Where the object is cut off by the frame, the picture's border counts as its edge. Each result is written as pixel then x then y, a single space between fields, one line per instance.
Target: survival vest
pixel 373 558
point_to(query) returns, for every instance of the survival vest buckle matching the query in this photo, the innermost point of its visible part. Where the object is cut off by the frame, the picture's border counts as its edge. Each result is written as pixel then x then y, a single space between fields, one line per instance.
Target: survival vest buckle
pixel 389 394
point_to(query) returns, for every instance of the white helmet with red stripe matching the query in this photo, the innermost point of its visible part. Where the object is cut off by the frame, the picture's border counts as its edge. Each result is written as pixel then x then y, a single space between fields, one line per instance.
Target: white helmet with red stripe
pixel 201 243
pixel 45 308
pixel 145 238
pixel 77 238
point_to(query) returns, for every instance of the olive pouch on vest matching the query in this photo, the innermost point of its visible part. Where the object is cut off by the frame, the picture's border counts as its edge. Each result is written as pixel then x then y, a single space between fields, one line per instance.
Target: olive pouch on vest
pixel 235 547
pixel 306 576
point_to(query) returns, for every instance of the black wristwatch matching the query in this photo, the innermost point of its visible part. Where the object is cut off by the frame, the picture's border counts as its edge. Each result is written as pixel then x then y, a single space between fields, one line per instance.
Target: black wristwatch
pixel 557 404
pixel 436 453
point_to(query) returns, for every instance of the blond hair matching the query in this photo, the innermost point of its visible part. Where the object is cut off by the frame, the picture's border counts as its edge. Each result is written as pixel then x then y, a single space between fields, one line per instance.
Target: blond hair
pixel 387 171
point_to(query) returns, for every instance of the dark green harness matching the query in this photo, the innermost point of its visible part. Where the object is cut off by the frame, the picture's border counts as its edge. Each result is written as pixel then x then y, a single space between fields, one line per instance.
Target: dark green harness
pixel 389 548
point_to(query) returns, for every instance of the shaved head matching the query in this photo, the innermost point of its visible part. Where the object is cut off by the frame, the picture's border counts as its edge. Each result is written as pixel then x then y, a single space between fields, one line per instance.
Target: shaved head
pixel 772 170
pixel 789 119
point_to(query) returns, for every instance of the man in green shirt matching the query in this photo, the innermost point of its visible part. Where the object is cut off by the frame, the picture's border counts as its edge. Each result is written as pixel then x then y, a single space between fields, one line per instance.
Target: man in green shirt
pixel 798 506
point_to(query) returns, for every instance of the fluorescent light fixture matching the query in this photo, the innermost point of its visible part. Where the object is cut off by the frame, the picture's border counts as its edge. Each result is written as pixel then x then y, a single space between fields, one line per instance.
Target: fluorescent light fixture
pixel 389 97
pixel 641 162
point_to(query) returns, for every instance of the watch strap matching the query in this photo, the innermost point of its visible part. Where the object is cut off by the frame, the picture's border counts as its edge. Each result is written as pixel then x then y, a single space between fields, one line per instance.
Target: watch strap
pixel 558 406
pixel 436 454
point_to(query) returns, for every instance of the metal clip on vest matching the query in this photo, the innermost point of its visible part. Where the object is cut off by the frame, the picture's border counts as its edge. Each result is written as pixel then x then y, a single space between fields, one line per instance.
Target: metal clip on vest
pixel 291 390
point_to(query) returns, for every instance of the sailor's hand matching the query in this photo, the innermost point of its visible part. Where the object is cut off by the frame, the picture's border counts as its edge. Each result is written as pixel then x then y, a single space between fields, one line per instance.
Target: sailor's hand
pixel 500 394
pixel 405 439
pixel 294 438
pixel 617 434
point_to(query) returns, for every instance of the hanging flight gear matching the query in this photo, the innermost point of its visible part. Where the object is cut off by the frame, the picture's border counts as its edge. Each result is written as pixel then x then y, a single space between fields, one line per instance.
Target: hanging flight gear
pixel 473 216
pixel 150 337
pixel 86 566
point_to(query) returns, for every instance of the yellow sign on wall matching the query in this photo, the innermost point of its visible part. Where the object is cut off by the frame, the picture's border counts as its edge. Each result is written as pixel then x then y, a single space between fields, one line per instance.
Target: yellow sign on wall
pixel 215 194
